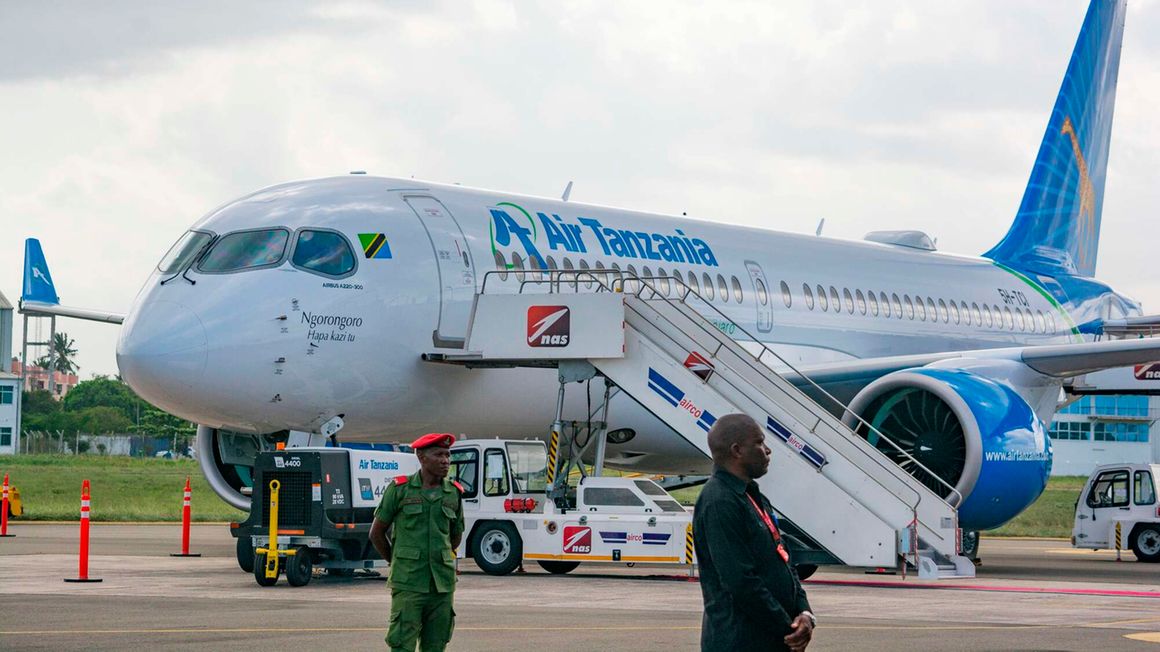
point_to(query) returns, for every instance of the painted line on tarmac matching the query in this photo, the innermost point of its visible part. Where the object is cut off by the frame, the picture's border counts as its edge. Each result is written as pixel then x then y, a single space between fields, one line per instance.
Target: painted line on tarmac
pixel 312 630
pixel 1147 637
pixel 1080 551
pixel 989 587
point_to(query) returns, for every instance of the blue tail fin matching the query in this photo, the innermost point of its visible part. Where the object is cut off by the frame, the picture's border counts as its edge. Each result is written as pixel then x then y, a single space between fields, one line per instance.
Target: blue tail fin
pixel 1057 228
pixel 37 281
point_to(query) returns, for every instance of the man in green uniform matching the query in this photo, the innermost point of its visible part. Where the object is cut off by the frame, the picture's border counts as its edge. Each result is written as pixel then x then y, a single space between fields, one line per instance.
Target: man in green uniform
pixel 426 510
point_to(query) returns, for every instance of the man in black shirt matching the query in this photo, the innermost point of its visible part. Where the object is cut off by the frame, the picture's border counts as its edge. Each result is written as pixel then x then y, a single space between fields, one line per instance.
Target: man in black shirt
pixel 753 598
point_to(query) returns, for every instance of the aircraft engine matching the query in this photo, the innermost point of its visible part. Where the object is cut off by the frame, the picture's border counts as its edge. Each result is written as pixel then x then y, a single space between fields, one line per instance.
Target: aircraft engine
pixel 977 435
pixel 227 460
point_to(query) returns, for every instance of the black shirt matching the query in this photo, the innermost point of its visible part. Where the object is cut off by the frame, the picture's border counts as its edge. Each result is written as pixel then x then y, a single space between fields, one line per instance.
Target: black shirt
pixel 751 594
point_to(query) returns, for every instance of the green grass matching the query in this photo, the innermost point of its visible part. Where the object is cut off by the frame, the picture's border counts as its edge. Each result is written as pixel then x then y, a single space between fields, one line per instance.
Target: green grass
pixel 1050 516
pixel 123 488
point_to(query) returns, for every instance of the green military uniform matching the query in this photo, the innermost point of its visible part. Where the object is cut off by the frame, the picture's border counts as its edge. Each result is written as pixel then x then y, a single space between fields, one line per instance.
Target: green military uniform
pixel 422 561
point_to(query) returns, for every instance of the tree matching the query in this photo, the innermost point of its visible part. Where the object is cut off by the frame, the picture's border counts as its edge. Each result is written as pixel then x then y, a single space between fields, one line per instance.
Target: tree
pixel 38 410
pixel 60 354
pixel 103 391
pixel 98 420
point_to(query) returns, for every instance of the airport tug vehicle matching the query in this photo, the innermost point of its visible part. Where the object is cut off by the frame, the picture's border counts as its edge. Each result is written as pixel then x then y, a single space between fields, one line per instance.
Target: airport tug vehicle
pixel 1118 509
pixel 520 503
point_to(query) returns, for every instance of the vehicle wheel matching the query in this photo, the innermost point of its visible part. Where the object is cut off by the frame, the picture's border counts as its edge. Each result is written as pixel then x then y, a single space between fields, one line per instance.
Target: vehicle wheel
pixel 1146 543
pixel 558 567
pixel 260 571
pixel 299 567
pixel 245 552
pixel 804 571
pixel 971 544
pixel 497 548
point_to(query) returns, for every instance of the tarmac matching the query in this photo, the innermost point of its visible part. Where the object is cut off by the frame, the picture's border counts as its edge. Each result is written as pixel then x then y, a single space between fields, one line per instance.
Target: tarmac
pixel 1028 595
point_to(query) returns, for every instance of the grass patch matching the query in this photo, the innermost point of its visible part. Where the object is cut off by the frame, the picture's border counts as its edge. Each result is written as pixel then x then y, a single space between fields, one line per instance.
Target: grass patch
pixel 1050 516
pixel 123 488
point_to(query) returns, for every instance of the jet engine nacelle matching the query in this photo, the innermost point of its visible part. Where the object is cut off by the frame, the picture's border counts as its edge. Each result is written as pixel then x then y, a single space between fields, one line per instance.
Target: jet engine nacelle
pixel 976 434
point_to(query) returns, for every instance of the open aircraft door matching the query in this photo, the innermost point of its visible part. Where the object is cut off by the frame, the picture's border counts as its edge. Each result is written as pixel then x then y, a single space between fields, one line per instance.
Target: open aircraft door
pixel 764 301
pixel 456 271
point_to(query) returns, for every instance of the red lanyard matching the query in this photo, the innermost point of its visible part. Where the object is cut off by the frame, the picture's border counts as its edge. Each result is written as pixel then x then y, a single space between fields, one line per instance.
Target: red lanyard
pixel 781 551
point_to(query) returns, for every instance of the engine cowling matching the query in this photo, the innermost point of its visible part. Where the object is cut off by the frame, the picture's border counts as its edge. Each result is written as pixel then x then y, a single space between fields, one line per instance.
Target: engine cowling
pixel 976 434
pixel 227 460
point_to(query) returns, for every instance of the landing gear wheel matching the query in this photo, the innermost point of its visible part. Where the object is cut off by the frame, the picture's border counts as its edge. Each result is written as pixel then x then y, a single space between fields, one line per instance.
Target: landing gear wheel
pixel 1146 543
pixel 260 571
pixel 558 567
pixel 245 553
pixel 804 571
pixel 299 568
pixel 497 548
pixel 971 544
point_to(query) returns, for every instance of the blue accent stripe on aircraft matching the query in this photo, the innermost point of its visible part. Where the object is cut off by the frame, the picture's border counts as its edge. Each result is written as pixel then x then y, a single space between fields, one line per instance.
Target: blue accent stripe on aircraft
pixel 662 386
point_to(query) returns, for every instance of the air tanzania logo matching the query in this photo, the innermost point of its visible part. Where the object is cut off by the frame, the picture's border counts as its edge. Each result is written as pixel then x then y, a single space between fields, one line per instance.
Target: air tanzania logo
pixel 549 325
pixel 699 365
pixel 577 540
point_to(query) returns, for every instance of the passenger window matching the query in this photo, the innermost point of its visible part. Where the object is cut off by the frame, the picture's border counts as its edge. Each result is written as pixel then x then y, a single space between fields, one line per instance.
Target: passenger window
pixel 647 275
pixel 897 304
pixel 1144 491
pixel 885 301
pixel 187 247
pixel 324 252
pixel 245 250
pixel 873 303
pixel 1050 323
pixel 943 312
pixel 786 297
pixel 823 302
pixel 861 300
pixel 1010 318
pixel 920 308
pixel 534 266
pixel 501 266
pixel 570 278
pixel 849 300
pixel 909 306
pixel 1109 490
pixel 707 283
pixel 722 289
pixel 834 300
pixel 808 294
pixel 518 263
pixel 738 294
pixel 495 473
pixel 1040 322
pixel 694 284
pixel 588 277
pixel 931 310
pixel 954 311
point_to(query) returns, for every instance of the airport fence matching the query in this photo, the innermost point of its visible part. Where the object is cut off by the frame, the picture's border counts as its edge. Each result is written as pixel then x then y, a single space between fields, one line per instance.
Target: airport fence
pixel 117 444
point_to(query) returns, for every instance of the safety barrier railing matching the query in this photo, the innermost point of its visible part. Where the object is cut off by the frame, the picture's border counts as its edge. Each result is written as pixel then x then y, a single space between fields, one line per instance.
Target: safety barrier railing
pixel 625 282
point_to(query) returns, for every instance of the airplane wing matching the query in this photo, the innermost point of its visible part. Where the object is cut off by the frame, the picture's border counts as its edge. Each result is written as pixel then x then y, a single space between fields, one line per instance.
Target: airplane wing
pixel 1058 361
pixel 38 296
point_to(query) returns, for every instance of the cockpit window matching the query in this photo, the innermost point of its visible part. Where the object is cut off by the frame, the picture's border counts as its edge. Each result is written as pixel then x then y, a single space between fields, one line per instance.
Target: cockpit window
pixel 245 250
pixel 187 247
pixel 325 252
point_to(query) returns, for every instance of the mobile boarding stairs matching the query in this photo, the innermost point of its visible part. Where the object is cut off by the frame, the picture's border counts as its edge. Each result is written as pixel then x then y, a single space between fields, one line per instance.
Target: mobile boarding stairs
pixel 838 492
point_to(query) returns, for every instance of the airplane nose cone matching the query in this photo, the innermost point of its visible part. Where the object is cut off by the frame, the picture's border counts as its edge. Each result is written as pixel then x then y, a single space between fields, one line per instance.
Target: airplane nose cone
pixel 162 352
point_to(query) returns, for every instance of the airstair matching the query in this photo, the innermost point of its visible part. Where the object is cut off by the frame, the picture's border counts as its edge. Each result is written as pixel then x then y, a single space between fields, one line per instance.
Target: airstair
pixel 655 339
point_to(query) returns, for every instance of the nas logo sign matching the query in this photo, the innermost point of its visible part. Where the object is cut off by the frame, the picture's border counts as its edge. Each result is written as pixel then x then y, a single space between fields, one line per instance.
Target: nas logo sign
pixel 577 540
pixel 549 325
pixel 1150 371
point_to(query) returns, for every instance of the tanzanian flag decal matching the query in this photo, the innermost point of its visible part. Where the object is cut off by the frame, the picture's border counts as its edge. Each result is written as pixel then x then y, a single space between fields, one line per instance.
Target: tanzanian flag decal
pixel 375 245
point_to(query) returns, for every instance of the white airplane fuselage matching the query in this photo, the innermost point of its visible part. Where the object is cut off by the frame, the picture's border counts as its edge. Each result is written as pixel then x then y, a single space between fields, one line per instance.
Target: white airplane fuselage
pixel 280 347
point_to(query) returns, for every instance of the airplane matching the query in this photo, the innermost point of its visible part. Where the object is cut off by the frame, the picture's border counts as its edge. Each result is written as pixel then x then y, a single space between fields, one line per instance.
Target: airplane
pixel 311 305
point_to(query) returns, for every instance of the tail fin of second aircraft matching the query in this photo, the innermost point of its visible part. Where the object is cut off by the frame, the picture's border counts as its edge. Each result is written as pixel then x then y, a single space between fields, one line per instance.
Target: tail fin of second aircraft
pixel 38 284
pixel 1057 228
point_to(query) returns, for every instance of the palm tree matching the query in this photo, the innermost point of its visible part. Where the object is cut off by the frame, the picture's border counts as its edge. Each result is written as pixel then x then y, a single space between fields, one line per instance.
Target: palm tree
pixel 60 356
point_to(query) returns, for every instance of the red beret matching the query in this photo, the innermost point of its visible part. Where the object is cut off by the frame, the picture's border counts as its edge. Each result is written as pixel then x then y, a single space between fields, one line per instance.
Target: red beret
pixel 434 439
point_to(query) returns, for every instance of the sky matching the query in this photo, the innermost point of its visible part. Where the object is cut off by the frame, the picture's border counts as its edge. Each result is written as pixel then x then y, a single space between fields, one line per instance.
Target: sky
pixel 123 122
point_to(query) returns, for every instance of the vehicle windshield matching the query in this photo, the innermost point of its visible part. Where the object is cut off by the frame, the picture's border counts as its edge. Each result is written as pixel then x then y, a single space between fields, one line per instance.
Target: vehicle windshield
pixel 244 250
pixel 187 247
pixel 529 462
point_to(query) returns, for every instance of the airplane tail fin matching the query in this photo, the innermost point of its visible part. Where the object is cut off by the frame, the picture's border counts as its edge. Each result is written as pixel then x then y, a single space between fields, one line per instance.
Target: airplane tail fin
pixel 38 284
pixel 1057 228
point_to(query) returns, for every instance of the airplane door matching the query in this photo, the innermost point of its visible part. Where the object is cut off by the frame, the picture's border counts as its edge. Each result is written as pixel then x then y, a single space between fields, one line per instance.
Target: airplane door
pixel 456 272
pixel 762 292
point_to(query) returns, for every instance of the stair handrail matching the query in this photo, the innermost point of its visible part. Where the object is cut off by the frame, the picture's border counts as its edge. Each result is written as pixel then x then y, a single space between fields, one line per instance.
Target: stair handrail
pixel 556 278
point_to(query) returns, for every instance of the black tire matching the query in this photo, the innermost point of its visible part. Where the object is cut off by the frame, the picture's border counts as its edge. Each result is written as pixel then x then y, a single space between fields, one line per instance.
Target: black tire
pixel 970 542
pixel 260 571
pixel 245 553
pixel 497 548
pixel 804 571
pixel 558 567
pixel 1146 543
pixel 299 567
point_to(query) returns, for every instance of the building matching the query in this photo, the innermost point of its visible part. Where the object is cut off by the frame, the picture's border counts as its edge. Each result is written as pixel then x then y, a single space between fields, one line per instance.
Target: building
pixel 9 385
pixel 37 378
